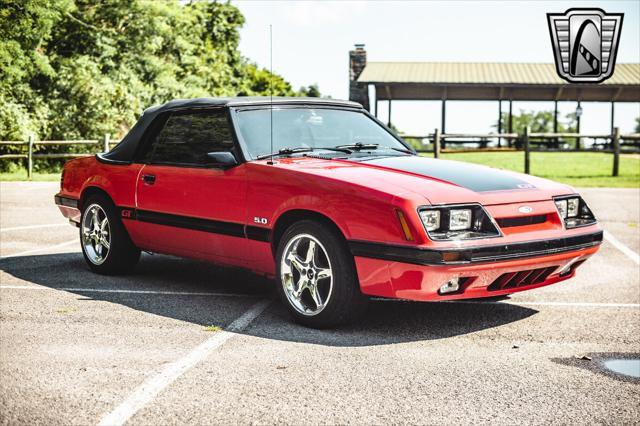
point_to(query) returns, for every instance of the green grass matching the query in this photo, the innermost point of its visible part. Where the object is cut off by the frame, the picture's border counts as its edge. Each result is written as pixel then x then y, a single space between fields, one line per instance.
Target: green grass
pixel 212 328
pixel 21 175
pixel 581 169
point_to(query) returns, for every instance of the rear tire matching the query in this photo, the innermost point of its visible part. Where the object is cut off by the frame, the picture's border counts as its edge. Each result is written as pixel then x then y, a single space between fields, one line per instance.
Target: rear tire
pixel 105 243
pixel 316 274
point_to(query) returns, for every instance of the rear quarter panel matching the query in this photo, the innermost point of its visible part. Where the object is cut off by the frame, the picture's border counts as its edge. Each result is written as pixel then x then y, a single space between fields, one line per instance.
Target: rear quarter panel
pixel 118 181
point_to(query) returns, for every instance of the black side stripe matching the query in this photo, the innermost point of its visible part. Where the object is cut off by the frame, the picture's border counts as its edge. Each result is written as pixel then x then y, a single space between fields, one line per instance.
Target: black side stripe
pixel 257 233
pixel 198 224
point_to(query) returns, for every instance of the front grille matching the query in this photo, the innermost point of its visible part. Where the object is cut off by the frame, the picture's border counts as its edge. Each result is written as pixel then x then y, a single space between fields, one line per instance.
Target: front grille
pixel 508 222
pixel 522 278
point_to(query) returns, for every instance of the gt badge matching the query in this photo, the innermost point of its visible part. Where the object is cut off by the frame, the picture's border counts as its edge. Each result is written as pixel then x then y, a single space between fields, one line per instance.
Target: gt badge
pixel 127 213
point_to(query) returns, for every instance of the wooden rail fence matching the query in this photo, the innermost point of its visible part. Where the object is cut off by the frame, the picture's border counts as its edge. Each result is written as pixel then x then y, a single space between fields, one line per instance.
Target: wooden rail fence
pixel 613 145
pixel 101 145
pixel 437 140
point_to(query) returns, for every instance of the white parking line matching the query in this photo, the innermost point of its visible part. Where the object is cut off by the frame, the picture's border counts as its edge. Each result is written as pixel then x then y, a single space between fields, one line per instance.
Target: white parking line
pixel 23 228
pixel 193 293
pixel 22 253
pixel 624 249
pixel 564 304
pixel 523 303
pixel 148 390
pixel 124 291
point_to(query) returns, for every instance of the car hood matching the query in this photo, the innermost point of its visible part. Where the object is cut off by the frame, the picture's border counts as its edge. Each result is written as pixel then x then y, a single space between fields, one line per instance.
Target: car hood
pixel 439 181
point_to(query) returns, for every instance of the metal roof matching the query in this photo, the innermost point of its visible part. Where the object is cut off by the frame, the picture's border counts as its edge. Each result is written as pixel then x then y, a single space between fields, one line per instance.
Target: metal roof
pixel 518 81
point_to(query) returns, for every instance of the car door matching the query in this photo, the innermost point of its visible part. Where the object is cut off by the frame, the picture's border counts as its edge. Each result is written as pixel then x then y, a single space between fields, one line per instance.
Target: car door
pixel 186 206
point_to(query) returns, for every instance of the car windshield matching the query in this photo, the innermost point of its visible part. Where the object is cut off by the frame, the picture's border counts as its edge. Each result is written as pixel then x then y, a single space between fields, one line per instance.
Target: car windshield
pixel 312 128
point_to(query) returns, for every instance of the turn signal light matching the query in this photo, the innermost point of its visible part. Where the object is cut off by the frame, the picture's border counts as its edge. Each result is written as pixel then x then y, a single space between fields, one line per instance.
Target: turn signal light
pixel 452 256
pixel 405 226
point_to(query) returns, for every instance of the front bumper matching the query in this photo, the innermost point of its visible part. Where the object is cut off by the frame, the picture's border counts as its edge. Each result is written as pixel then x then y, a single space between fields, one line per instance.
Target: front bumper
pixel 486 271
pixel 488 253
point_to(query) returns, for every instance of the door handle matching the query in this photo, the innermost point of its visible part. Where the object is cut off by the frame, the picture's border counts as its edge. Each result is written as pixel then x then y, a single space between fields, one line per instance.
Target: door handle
pixel 149 179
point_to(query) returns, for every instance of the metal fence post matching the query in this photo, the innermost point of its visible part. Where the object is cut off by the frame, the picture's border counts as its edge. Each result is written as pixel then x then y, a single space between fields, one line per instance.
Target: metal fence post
pixel 106 142
pixel 436 144
pixel 30 158
pixel 527 150
pixel 615 139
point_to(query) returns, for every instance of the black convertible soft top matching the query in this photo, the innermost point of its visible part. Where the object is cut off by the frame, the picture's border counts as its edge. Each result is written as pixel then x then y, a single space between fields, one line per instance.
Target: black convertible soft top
pixel 123 152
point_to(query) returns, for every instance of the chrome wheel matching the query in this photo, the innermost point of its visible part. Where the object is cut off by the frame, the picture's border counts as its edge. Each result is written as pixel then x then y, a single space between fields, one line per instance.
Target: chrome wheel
pixel 305 272
pixel 95 234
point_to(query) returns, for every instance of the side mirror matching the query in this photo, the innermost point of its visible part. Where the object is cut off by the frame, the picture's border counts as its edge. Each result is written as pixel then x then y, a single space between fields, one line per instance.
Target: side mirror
pixel 221 160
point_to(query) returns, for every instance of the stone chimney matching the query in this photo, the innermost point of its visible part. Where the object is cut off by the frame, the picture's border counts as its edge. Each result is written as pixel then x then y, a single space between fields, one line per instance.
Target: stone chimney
pixel 357 61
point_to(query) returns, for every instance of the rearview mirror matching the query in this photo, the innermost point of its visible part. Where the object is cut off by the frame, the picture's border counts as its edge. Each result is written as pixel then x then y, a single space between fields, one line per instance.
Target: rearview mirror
pixel 221 159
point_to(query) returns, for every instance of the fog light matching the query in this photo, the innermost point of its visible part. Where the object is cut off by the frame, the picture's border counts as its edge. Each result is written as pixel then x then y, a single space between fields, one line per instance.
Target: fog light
pixel 566 270
pixel 450 286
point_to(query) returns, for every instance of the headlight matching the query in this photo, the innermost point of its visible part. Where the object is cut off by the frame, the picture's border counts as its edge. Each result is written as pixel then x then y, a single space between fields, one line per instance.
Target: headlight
pixel 459 219
pixel 460 222
pixel 430 219
pixel 572 207
pixel 574 211
pixel 561 205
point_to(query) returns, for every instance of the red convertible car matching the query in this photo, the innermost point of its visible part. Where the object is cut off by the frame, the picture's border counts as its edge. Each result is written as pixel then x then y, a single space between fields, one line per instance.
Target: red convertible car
pixel 326 199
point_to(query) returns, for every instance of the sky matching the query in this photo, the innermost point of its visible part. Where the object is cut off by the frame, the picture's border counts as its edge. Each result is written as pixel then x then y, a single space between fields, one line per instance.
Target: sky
pixel 312 39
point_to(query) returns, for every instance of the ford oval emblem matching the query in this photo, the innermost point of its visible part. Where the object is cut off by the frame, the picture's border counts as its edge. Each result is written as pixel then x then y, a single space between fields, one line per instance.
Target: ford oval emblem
pixel 525 209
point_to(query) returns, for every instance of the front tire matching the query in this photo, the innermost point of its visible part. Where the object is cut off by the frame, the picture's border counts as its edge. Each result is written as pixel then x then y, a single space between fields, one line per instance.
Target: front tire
pixel 105 243
pixel 317 279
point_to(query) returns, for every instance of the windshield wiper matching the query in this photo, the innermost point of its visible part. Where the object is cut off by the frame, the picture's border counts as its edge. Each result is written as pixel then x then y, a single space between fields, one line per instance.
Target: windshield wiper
pixel 284 151
pixel 359 146
pixel 406 151
pixel 289 151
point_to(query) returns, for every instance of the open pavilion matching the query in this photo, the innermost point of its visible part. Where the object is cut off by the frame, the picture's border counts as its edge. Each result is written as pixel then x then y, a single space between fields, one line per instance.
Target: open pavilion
pixel 467 81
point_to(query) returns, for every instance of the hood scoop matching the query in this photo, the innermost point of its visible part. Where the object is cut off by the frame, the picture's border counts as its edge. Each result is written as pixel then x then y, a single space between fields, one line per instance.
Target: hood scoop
pixel 470 176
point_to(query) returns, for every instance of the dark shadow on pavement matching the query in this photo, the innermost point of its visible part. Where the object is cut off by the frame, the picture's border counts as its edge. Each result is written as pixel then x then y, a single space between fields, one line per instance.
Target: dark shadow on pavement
pixel 386 322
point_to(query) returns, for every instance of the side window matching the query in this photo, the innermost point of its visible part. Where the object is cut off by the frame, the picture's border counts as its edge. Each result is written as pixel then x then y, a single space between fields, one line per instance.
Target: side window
pixel 186 138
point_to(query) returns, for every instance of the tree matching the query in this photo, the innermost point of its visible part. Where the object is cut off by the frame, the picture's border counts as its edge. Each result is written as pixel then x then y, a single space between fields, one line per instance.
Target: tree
pixel 81 68
pixel 25 30
pixel 538 122
pixel 311 91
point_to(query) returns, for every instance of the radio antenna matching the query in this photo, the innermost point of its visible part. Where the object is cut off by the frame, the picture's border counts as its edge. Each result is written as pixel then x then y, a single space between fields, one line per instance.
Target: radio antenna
pixel 270 94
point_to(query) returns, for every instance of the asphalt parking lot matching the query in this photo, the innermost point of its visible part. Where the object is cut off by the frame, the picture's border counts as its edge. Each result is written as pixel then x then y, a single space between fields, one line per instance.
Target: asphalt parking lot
pixel 186 342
